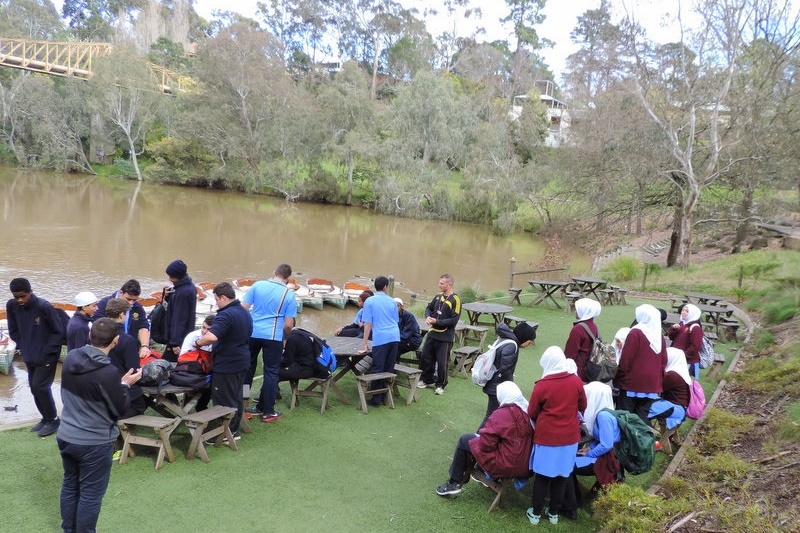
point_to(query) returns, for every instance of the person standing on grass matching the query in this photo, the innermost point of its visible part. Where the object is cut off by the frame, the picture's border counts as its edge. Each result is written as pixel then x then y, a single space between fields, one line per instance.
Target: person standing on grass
pixel 125 355
pixel 95 398
pixel 381 321
pixel 37 329
pixel 230 334
pixel 555 402
pixel 442 315
pixel 687 335
pixel 80 322
pixel 181 309
pixel 136 324
pixel 273 307
pixel 579 343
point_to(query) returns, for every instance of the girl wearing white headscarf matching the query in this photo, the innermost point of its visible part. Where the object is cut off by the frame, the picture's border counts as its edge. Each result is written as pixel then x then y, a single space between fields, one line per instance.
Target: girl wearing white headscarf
pixel 501 448
pixel 675 396
pixel 555 401
pixel 579 343
pixel 640 374
pixel 687 335
pixel 619 341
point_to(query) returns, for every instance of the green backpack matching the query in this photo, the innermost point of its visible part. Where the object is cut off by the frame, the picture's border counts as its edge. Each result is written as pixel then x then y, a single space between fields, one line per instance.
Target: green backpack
pixel 637 447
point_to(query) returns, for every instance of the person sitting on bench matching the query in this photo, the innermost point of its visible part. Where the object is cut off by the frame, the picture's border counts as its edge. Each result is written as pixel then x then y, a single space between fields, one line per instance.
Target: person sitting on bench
pixel 501 448
pixel 410 335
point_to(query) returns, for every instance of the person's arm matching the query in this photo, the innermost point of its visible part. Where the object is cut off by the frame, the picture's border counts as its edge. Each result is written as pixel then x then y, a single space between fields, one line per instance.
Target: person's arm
pixel 453 314
pixel 11 320
pixel 288 326
pixel 507 361
pixel 367 333
pixel 142 327
pixel 189 340
pixel 604 427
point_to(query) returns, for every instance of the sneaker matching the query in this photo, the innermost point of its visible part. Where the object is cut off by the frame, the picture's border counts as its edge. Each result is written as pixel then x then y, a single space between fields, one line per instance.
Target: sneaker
pixel 117 455
pixel 37 426
pixel 211 442
pixel 271 417
pixel 439 391
pixel 659 446
pixel 552 517
pixel 423 385
pixel 534 518
pixel 49 428
pixel 253 410
pixel 448 489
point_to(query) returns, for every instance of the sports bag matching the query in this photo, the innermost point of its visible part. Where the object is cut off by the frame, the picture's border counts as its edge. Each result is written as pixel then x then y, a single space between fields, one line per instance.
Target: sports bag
pixel 196 362
pixel 697 401
pixel 602 363
pixel 155 373
pixel 637 447
pixel 706 351
pixel 182 378
pixel 483 368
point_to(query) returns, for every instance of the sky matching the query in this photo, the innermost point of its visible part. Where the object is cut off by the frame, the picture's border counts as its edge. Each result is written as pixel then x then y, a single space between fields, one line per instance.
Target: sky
pixel 561 18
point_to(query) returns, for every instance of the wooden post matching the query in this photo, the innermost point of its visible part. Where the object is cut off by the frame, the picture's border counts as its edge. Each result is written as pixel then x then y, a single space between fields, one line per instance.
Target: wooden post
pixel 511 271
pixel 644 279
pixel 390 288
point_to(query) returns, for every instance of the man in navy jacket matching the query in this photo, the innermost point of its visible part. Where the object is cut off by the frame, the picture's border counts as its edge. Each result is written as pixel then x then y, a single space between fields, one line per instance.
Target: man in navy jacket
pixel 181 309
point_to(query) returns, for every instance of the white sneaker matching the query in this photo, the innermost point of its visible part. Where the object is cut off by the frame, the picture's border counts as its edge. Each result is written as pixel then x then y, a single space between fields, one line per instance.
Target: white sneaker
pixel 422 385
pixel 439 391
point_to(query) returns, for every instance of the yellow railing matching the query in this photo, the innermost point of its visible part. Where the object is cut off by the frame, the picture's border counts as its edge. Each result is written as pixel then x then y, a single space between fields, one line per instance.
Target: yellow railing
pixel 74 59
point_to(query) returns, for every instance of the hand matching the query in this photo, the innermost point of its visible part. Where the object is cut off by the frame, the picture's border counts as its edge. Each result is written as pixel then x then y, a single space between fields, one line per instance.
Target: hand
pixel 430 320
pixel 583 450
pixel 176 350
pixel 132 376
pixel 144 351
pixel 365 350
pixel 338 331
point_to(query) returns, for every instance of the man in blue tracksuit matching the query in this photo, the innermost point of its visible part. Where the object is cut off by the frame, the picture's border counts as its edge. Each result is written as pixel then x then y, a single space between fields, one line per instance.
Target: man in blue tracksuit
pixel 37 329
pixel 381 320
pixel 95 398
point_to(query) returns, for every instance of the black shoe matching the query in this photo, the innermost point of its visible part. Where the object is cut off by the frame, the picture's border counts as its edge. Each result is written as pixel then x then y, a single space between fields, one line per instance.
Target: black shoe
pixel 572 515
pixel 37 427
pixel 375 403
pixel 49 428
pixel 212 442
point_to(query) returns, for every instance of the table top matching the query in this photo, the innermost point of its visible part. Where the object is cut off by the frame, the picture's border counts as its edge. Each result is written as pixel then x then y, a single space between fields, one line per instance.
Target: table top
pixel 712 308
pixel 346 346
pixel 548 282
pixel 483 307
pixel 588 280
pixel 169 389
pixel 703 296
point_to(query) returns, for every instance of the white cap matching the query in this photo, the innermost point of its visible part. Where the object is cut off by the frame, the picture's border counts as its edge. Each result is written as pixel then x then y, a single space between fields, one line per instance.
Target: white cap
pixel 399 301
pixel 82 299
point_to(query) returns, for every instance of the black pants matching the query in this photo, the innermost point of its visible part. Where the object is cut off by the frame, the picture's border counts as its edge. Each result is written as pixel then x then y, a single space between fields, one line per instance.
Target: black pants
pixel 463 461
pixel 226 389
pixel 572 490
pixel 541 485
pixel 435 360
pixel 40 381
pixel 638 406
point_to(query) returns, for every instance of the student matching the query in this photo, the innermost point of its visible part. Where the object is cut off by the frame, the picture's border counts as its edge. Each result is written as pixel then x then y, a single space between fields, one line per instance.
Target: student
pixel 181 310
pixel 299 355
pixel 95 398
pixel 505 360
pixel 125 354
pixel 80 322
pixel 356 327
pixel 37 329
pixel 410 335
pixel 381 321
pixel 687 335
pixel 501 448
pixel 555 402
pixel 579 343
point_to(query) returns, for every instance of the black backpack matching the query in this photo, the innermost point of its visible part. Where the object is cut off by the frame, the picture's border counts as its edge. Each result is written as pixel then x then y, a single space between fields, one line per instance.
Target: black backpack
pixel 155 373
pixel 158 320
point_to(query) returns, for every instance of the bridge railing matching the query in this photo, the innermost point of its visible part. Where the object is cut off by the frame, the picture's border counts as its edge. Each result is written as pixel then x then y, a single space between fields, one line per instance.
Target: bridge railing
pixel 56 58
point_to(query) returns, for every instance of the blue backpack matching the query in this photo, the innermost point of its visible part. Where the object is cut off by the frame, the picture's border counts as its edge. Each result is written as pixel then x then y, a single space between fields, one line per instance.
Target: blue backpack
pixel 327 359
pixel 325 363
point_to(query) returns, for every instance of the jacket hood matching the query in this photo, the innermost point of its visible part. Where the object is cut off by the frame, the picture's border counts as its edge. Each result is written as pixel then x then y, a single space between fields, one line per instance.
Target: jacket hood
pixel 85 359
pixel 504 332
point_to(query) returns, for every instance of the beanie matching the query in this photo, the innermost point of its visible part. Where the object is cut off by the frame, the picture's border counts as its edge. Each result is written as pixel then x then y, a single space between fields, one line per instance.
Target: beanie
pixel 524 332
pixel 177 269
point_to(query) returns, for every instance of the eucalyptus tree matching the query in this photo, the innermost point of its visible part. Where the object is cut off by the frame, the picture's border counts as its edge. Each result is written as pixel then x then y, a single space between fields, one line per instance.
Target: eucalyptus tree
pixel 301 27
pixel 524 16
pixel 31 19
pixel 686 90
pixel 124 92
pixel 98 20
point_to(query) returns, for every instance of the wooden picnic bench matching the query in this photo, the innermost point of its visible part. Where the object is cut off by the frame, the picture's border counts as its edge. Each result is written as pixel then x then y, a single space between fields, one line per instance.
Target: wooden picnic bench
pixel 716 366
pixel 324 385
pixel 163 428
pixel 499 486
pixel 198 423
pixel 365 380
pixel 407 377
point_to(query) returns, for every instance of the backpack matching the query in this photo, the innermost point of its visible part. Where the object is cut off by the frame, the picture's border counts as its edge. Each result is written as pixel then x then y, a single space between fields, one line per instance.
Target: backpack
pixel 706 352
pixel 483 368
pixel 155 373
pixel 158 320
pixel 63 317
pixel 325 359
pixel 697 401
pixel 636 449
pixel 602 363
pixel 196 362
pixel 183 378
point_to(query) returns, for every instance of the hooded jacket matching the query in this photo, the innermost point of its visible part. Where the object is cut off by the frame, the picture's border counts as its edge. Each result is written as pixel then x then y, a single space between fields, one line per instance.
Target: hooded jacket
pixel 37 330
pixel 181 311
pixel 94 398
pixel 503 446
pixel 505 359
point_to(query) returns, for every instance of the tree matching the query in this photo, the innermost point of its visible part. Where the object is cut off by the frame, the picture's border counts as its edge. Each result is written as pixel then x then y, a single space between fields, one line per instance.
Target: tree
pixel 31 19
pixel 524 16
pixel 124 92
pixel 685 89
pixel 96 20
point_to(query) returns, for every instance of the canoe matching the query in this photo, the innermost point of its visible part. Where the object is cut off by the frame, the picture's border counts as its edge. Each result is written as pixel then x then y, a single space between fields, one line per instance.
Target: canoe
pixel 308 297
pixel 353 290
pixel 7 350
pixel 335 297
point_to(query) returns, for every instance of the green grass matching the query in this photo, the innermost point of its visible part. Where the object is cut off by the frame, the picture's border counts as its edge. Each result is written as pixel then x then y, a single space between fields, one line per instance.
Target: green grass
pixel 341 471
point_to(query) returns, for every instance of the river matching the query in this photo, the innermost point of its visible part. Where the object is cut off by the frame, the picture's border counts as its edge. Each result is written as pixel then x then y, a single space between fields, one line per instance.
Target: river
pixel 71 233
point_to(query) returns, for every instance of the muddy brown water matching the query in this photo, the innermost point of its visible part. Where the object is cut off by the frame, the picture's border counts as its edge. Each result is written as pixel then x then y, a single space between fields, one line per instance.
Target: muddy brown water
pixel 70 233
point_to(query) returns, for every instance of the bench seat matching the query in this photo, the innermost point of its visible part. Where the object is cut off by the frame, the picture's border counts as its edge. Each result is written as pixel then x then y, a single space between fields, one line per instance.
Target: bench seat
pixel 163 428
pixel 198 422
pixel 407 377
pixel 310 392
pixel 365 380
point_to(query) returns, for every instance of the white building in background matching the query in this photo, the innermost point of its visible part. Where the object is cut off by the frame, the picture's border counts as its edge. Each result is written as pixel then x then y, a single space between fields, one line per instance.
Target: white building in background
pixel 556 110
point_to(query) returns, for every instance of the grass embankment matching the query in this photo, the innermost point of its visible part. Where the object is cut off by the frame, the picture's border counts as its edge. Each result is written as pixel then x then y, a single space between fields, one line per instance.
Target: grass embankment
pixel 341 471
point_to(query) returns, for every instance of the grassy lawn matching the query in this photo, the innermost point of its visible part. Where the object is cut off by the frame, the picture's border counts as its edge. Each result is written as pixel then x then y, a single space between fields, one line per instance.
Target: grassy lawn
pixel 341 471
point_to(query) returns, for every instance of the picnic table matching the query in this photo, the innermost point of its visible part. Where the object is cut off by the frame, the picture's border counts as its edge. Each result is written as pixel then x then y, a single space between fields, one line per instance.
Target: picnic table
pixel 476 309
pixel 703 299
pixel 546 289
pixel 163 399
pixel 715 314
pixel 589 285
pixel 349 354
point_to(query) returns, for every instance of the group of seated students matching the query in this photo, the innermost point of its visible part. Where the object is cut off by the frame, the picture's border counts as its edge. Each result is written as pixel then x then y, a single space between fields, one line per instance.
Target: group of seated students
pixel 540 437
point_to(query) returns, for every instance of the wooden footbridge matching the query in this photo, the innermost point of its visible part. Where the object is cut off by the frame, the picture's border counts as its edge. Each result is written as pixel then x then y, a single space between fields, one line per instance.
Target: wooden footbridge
pixel 74 60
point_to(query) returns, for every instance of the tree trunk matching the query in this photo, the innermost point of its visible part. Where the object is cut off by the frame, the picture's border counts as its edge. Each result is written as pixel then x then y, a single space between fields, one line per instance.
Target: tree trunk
pixel 373 91
pixel 350 165
pixel 674 239
pixel 745 207
pixel 134 160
